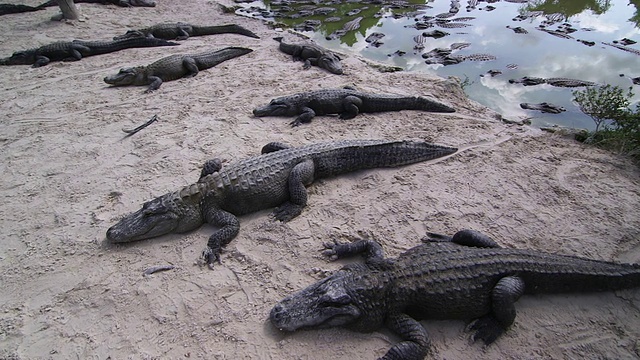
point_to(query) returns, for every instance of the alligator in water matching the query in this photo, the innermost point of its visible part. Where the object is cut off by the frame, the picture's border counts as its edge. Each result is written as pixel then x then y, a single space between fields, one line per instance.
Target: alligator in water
pixel 559 82
pixel 544 107
pixel 173 67
pixel 312 54
pixel 465 277
pixel 346 102
pixel 77 49
pixel 123 3
pixel 182 31
pixel 276 178
pixel 15 9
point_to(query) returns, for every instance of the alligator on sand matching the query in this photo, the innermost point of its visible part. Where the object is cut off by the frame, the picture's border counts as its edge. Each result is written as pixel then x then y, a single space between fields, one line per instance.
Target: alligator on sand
pixel 346 101
pixel 312 54
pixel 276 178
pixel 172 67
pixel 77 49
pixel 182 31
pixel 467 276
pixel 123 3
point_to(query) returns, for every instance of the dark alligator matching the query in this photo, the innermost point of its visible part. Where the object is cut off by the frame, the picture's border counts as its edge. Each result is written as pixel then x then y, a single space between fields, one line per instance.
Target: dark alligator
pixel 465 277
pixel 544 107
pixel 346 102
pixel 123 3
pixel 276 178
pixel 16 9
pixel 77 49
pixel 312 54
pixel 559 82
pixel 173 67
pixel 182 31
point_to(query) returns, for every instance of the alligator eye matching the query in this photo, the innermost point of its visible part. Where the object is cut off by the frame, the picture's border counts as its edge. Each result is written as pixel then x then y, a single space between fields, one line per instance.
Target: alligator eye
pixel 343 299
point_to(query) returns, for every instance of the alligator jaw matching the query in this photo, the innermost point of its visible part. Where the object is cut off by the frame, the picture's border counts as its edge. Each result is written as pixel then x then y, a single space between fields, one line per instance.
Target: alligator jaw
pixel 274 109
pixel 154 219
pixel 124 77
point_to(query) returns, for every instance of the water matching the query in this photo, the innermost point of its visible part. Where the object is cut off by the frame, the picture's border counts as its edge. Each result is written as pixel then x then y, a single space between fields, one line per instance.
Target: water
pixel 536 53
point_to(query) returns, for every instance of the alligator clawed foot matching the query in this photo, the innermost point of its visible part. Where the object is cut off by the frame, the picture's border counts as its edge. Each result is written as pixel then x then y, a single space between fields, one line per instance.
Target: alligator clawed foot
pixel 295 123
pixel 210 257
pixel 486 329
pixel 330 250
pixel 287 211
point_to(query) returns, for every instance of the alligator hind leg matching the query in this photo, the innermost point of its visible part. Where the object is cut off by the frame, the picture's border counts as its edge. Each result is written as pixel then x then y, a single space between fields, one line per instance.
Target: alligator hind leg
pixel 351 105
pixel 273 147
pixel 470 238
pixel 210 166
pixel 154 85
pixel 305 117
pixel 301 175
pixel 192 68
pixel 503 311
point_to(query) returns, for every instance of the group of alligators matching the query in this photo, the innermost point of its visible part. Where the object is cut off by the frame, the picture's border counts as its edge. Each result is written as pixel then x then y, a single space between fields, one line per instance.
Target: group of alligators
pixel 467 276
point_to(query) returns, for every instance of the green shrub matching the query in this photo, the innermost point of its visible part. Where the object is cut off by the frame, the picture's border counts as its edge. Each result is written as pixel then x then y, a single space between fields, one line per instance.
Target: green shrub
pixel 617 126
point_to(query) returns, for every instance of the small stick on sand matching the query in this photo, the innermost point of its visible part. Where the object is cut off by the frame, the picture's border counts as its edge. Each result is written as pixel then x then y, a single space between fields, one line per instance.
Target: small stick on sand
pixel 155 269
pixel 133 131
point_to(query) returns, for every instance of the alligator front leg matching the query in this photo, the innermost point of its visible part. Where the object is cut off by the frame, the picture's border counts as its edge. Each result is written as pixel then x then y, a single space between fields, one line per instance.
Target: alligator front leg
pixel 503 311
pixel 229 228
pixel 370 249
pixel 301 175
pixel 210 166
pixel 154 84
pixel 415 342
pixel 351 105
pixel 470 238
pixel 41 61
pixel 305 117
pixel 273 147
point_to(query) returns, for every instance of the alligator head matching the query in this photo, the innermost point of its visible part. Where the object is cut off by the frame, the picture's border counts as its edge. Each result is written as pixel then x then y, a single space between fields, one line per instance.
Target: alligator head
pixel 324 304
pixel 283 106
pixel 20 58
pixel 129 35
pixel 126 76
pixel 330 62
pixel 163 215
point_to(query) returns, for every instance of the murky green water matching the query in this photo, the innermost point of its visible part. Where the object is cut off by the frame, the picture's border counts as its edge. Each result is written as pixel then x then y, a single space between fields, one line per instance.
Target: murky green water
pixel 536 53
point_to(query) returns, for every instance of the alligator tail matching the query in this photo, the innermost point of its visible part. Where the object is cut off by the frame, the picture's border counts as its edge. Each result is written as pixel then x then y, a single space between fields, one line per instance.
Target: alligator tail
pixel 383 103
pixel 377 155
pixel 223 29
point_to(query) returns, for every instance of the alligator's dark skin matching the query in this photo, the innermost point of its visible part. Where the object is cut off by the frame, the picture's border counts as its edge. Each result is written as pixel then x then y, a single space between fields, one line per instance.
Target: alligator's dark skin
pixel 346 102
pixel 312 54
pixel 15 9
pixel 173 67
pixel 77 49
pixel 559 82
pixel 544 107
pixel 123 3
pixel 276 178
pixel 182 31
pixel 465 277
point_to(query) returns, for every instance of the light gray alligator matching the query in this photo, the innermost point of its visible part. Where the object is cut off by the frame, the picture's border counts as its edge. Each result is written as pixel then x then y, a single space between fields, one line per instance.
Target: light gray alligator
pixel 182 31
pixel 173 67
pixel 467 276
pixel 347 102
pixel 312 54
pixel 77 49
pixel 276 178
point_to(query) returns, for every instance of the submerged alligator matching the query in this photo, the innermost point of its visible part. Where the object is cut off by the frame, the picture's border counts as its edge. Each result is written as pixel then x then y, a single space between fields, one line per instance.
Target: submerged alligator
pixel 276 178
pixel 77 49
pixel 173 67
pixel 465 277
pixel 544 107
pixel 123 3
pixel 559 82
pixel 182 31
pixel 347 102
pixel 312 54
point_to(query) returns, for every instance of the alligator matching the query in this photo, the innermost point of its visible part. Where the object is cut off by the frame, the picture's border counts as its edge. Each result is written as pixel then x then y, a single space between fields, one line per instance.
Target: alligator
pixel 182 31
pixel 467 276
pixel 77 49
pixel 123 3
pixel 348 26
pixel 347 102
pixel 173 67
pixel 559 82
pixel 16 9
pixel 544 107
pixel 276 178
pixel 312 54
